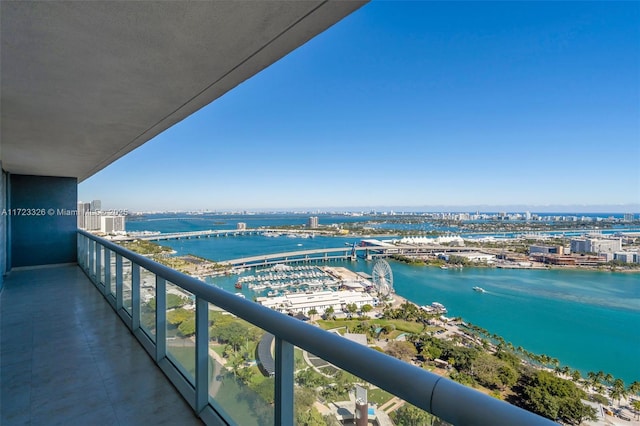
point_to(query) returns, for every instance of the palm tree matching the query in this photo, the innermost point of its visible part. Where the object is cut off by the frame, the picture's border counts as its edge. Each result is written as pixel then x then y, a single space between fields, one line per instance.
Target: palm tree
pixel 634 388
pixel 609 378
pixel 636 407
pixel 618 390
pixel 576 376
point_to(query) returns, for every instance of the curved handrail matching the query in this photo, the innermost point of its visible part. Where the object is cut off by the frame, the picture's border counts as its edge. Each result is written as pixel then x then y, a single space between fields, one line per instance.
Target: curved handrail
pixel 444 398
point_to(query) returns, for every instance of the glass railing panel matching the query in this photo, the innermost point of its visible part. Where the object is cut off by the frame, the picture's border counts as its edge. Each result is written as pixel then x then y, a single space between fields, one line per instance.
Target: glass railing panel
pixel 92 260
pixel 181 328
pixel 326 394
pixel 102 270
pixel 241 384
pixel 112 281
pixel 147 303
pixel 126 284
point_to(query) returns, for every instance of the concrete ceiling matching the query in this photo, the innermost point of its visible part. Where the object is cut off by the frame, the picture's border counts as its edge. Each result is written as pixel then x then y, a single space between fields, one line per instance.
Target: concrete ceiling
pixel 84 83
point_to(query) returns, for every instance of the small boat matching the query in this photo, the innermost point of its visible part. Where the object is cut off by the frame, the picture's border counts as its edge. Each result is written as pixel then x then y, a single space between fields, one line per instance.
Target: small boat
pixel 439 308
pixel 479 289
pixel 444 267
pixel 238 284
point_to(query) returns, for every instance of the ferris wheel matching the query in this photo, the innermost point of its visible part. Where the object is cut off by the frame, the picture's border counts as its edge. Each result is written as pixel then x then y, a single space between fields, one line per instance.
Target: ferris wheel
pixel 382 277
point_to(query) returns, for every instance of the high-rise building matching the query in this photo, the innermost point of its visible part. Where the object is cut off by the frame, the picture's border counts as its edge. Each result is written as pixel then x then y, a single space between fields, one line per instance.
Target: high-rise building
pixel 112 224
pixel 96 205
pixel 628 217
pixel 82 211
pixel 241 226
pixel 596 245
pixel 313 222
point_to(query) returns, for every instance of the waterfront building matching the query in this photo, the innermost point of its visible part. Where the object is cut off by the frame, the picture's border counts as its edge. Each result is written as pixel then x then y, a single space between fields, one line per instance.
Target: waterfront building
pixel 112 224
pixel 546 249
pixel 241 226
pixel 596 245
pixel 318 300
pixel 579 245
pixel 312 223
pixel 626 256
pixel 96 205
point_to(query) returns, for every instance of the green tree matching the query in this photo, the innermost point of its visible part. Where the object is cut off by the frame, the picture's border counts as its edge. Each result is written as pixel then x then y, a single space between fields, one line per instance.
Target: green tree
pixel 187 327
pixel 402 350
pixel 234 333
pixel 555 398
pixel 310 417
pixel 176 316
pixel 410 415
pixel 328 313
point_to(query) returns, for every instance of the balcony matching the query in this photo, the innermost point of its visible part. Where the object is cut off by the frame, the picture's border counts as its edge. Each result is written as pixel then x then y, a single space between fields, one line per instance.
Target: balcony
pixel 88 346
pixel 67 359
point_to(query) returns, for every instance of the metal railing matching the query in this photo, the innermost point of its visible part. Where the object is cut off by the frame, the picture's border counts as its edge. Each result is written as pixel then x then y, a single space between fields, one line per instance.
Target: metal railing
pixel 448 400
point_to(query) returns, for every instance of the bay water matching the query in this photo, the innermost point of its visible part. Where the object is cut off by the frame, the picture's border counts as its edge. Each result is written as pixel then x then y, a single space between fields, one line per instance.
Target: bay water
pixel 589 320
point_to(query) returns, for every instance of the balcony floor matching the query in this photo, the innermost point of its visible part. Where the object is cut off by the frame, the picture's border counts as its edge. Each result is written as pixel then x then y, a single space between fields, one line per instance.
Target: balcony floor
pixel 67 358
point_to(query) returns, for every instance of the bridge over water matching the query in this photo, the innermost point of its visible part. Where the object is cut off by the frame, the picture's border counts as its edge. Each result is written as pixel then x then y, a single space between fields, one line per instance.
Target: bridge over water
pixel 227 233
pixel 342 253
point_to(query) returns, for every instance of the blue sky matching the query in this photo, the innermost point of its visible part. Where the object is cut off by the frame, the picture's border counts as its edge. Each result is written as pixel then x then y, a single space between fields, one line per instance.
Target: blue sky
pixel 414 104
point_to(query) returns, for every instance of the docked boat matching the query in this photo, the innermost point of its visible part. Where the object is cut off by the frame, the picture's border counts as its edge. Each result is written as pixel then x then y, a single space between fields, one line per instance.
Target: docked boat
pixel 444 267
pixel 238 284
pixel 439 308
pixel 479 289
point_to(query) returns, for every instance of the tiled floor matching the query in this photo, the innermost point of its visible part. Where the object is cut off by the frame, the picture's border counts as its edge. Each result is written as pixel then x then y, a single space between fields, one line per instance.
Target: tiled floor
pixel 67 359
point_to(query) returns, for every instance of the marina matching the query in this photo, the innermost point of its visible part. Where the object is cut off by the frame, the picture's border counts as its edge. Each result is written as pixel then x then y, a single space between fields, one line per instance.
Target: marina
pixel 288 278
pixel 579 317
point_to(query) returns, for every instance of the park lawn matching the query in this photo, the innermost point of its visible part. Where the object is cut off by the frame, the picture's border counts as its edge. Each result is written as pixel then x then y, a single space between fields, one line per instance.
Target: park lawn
pixel 217 348
pixel 378 396
pixel 298 357
pixel 400 325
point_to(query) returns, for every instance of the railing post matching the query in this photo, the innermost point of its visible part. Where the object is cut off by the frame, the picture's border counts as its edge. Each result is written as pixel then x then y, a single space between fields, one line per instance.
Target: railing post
pixel 161 318
pixel 119 279
pixel 284 361
pixel 135 296
pixel 202 353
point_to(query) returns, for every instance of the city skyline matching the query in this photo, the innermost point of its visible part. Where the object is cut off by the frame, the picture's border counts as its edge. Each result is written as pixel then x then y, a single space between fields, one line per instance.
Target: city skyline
pixel 414 105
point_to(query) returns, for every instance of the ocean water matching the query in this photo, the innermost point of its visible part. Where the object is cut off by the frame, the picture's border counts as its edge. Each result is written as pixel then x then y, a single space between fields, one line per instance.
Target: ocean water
pixel 588 320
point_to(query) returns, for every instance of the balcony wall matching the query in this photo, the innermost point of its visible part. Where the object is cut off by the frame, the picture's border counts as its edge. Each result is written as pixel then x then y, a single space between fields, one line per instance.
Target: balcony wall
pixel 42 234
pixel 3 226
